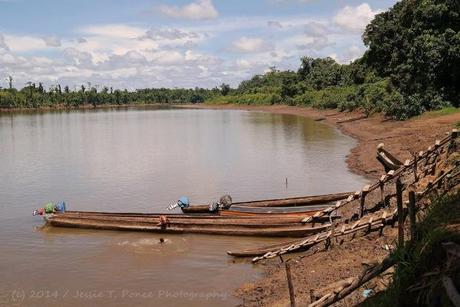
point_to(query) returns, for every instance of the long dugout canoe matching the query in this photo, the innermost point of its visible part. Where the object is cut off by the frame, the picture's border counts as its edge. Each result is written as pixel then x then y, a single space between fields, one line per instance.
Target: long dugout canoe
pixel 268 231
pixel 209 216
pixel 261 212
pixel 282 202
pixel 269 211
pixel 148 221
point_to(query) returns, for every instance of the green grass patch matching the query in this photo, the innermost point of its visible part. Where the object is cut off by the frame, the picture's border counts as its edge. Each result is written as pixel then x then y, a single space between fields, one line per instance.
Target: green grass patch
pixel 441 112
pixel 426 255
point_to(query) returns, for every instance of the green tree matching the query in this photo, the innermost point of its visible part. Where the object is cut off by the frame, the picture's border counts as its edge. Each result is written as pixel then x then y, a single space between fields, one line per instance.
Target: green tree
pixel 320 73
pixel 417 44
pixel 224 89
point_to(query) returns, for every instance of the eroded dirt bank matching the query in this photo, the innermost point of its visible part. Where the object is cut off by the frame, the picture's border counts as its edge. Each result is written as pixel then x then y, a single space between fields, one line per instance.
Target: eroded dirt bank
pixel 316 268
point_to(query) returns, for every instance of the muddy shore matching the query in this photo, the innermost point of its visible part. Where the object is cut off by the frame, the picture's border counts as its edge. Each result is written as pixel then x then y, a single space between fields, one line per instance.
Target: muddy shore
pixel 316 268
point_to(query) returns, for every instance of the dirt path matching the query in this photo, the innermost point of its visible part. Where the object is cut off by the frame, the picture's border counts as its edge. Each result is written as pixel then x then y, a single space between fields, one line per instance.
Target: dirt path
pixel 316 268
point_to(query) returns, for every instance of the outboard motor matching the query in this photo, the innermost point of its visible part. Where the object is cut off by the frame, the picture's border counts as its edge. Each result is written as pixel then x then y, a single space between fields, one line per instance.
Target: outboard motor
pixel 183 202
pixel 214 207
pixel 225 202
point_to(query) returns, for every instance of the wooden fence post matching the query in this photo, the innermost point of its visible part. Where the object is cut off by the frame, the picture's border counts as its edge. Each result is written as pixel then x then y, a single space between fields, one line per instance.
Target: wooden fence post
pixel 290 285
pixel 453 136
pixel 363 200
pixel 412 216
pixel 446 182
pixel 382 189
pixel 399 202
pixel 415 167
pixel 440 182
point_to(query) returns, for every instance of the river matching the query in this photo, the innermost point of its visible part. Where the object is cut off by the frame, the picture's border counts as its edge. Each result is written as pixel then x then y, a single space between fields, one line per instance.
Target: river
pixel 142 160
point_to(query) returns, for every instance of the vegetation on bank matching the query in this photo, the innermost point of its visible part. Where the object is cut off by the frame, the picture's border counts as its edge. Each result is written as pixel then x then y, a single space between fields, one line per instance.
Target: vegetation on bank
pixel 35 96
pixel 422 265
pixel 411 66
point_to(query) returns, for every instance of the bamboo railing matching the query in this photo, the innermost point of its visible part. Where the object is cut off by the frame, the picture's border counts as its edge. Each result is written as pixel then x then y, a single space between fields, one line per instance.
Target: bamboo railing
pixel 339 290
pixel 422 164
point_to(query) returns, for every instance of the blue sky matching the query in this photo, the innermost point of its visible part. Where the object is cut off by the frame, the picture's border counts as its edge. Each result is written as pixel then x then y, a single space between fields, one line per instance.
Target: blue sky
pixel 186 43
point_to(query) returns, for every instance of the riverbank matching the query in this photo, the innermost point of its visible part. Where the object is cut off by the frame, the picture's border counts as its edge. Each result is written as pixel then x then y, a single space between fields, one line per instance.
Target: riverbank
pixel 400 137
pixel 316 268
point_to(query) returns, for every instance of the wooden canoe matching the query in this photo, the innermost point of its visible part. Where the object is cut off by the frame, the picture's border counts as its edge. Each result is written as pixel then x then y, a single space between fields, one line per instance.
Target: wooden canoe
pixel 255 252
pixel 208 216
pixel 282 202
pixel 199 222
pixel 151 226
pixel 267 218
pixel 304 211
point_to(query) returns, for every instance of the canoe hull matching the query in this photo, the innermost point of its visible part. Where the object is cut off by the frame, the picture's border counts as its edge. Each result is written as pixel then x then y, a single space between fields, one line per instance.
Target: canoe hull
pixel 282 202
pixel 282 231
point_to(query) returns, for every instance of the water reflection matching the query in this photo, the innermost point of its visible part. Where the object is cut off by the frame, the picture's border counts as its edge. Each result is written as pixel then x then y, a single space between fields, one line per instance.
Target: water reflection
pixel 142 160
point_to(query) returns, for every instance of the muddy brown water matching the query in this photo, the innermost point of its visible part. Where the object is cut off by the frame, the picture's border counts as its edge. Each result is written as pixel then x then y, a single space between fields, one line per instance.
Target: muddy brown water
pixel 142 160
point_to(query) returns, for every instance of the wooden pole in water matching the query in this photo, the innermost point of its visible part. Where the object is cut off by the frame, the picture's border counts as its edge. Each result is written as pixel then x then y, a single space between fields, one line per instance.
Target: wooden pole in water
pixel 399 202
pixel 290 285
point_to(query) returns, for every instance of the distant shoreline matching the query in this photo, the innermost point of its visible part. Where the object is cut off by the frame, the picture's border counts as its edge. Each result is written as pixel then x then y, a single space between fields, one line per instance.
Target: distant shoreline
pixel 85 107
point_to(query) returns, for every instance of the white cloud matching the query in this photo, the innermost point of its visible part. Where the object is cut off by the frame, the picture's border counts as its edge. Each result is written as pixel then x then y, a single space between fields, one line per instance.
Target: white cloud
pixel 170 34
pixel 24 43
pixel 316 29
pixel 315 36
pixel 356 18
pixel 52 41
pixel 199 10
pixel 250 44
pixel 114 30
pixel 274 24
pixel 3 44
pixel 78 57
pixel 314 43
pixel 349 55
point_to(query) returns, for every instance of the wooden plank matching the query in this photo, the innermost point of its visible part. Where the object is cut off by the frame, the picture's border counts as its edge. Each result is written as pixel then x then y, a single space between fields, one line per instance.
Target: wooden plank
pixel 290 285
pixel 412 216
pixel 451 291
pixel 399 202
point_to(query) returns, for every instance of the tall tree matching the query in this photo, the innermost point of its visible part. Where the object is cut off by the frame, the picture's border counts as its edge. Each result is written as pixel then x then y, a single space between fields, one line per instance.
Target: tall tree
pixel 417 44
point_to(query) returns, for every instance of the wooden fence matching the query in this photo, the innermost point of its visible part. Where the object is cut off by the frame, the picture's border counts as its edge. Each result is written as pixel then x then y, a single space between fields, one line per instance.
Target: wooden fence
pixel 339 290
pixel 422 165
pixel 379 215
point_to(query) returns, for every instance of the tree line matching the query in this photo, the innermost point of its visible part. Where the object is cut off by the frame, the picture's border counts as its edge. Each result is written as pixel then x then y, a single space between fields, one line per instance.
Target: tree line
pixel 36 96
pixel 411 66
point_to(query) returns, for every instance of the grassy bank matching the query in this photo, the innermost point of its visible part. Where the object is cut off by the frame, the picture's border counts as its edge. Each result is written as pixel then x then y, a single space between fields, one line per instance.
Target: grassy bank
pixel 374 97
pixel 418 276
